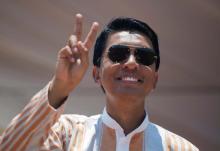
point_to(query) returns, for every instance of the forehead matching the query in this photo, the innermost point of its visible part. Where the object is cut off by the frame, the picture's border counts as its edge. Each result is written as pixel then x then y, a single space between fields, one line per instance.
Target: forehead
pixel 128 38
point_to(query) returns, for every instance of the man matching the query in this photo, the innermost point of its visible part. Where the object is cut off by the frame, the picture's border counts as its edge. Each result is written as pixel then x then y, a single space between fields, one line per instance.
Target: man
pixel 126 62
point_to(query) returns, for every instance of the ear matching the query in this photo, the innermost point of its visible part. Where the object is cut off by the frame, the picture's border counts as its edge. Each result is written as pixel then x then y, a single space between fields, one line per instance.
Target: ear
pixel 95 74
pixel 156 79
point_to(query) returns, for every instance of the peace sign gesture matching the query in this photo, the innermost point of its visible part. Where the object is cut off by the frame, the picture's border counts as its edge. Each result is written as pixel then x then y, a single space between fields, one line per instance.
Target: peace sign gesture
pixel 72 62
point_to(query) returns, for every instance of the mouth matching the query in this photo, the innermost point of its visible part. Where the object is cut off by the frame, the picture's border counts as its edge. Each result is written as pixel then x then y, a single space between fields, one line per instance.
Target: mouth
pixel 130 79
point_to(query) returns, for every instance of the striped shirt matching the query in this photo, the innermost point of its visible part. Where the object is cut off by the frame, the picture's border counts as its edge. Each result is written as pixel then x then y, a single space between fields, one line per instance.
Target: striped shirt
pixel 41 127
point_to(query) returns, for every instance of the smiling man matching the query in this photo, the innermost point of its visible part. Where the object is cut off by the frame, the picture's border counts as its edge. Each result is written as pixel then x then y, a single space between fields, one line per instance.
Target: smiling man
pixel 126 62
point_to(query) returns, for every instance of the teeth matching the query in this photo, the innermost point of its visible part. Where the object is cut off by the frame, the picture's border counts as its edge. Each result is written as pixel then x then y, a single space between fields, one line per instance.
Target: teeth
pixel 129 79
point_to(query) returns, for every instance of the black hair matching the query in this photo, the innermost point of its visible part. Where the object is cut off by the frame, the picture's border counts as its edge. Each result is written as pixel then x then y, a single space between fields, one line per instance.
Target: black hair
pixel 124 24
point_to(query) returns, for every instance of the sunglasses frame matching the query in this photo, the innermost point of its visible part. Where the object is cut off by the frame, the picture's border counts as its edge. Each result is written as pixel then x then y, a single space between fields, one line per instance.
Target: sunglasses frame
pixel 139 59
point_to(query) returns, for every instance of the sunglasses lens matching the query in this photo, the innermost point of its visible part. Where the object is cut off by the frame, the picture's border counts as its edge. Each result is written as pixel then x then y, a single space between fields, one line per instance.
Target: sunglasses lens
pixel 145 56
pixel 118 53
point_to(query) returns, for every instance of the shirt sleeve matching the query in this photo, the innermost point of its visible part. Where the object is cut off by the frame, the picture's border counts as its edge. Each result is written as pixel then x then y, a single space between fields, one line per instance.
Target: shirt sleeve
pixel 32 128
pixel 175 142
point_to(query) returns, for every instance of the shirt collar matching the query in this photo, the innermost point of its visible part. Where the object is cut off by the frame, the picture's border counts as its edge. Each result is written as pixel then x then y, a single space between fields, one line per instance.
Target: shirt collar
pixel 110 122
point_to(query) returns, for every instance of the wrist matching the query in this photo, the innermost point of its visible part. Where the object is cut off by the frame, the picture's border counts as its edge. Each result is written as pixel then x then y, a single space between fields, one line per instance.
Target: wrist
pixel 57 93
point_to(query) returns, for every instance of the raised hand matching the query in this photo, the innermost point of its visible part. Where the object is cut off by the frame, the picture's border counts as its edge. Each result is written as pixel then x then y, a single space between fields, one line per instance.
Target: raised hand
pixel 72 62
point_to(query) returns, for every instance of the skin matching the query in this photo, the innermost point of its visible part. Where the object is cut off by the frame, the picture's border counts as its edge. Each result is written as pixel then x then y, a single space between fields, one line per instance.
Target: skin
pixel 72 63
pixel 125 98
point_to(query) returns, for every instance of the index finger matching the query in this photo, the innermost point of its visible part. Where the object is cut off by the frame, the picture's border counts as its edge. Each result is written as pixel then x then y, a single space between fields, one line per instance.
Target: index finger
pixel 78 27
pixel 90 39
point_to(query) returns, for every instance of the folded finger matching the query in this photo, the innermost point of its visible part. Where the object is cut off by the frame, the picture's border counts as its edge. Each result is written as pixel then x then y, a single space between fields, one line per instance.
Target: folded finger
pixel 65 52
pixel 72 42
pixel 83 51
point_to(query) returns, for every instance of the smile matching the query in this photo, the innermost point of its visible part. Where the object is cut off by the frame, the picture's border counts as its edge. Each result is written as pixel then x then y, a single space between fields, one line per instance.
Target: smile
pixel 130 79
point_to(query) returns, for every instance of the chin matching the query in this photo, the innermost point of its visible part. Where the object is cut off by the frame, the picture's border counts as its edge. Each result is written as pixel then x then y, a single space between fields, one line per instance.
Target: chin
pixel 129 92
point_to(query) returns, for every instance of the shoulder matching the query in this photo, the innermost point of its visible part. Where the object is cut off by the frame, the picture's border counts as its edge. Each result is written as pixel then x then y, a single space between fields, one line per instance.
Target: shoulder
pixel 70 123
pixel 172 141
pixel 76 119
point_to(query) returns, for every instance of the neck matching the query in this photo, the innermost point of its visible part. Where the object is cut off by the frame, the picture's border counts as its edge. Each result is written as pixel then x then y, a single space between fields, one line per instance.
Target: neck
pixel 128 115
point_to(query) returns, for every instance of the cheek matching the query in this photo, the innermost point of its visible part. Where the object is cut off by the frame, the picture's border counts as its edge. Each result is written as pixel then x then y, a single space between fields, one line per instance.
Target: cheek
pixel 107 74
pixel 150 77
pixel 104 74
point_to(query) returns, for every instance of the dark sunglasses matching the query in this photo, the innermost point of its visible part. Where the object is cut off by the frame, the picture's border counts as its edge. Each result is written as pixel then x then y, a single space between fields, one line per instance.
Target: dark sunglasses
pixel 120 53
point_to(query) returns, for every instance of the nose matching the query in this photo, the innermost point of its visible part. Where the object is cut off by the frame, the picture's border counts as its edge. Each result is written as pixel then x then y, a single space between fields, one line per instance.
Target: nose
pixel 131 62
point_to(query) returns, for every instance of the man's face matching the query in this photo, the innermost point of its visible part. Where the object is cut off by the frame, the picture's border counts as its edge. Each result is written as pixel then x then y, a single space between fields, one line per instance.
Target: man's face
pixel 127 78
